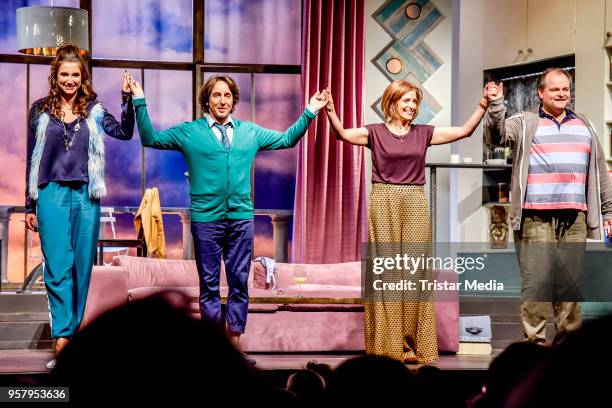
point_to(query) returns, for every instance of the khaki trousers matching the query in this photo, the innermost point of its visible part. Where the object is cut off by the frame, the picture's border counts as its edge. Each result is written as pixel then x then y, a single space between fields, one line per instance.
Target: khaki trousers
pixel 550 249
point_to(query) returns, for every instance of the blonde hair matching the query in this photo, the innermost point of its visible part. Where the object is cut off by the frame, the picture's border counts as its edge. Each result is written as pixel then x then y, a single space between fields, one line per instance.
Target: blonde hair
pixel 393 93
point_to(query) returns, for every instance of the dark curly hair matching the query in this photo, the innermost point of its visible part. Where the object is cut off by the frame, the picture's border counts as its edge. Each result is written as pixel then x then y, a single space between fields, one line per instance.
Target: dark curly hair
pixel 85 93
pixel 206 89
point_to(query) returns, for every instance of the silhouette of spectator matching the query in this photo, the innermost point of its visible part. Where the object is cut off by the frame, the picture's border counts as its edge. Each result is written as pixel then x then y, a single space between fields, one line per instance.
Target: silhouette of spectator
pixel 151 350
pixel 371 378
pixel 435 389
pixel 308 386
pixel 324 370
pixel 572 376
pixel 508 369
pixel 283 398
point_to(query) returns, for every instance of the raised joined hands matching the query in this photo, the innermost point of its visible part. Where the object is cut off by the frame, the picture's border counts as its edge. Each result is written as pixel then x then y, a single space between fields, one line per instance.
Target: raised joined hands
pixel 135 87
pixel 494 91
pixel 319 100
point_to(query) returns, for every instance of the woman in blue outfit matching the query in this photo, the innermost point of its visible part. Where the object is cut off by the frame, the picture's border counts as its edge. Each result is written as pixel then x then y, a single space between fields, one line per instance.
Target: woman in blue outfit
pixel 65 182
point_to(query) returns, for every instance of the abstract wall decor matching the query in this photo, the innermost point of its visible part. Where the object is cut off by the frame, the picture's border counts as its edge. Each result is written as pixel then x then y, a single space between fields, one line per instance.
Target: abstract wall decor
pixel 407 56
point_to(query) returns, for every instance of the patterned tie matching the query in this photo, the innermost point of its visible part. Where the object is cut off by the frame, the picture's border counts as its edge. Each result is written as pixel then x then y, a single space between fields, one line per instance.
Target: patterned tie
pixel 223 129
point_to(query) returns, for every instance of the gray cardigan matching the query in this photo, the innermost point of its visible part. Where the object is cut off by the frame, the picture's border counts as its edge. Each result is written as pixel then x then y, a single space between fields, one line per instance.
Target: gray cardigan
pixel 518 131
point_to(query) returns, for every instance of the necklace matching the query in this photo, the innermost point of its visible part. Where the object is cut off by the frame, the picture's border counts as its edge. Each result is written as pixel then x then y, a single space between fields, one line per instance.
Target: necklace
pixel 69 141
pixel 400 137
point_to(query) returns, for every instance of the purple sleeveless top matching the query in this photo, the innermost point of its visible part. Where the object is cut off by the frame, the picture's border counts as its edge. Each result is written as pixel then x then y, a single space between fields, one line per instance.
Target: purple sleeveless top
pixel 399 159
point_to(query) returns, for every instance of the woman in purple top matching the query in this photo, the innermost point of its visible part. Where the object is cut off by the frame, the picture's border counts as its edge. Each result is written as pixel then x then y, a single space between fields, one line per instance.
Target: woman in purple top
pixel 65 182
pixel 401 323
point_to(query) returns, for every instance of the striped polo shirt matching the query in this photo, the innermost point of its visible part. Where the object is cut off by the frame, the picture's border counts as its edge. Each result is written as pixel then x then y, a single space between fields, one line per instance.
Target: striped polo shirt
pixel 558 164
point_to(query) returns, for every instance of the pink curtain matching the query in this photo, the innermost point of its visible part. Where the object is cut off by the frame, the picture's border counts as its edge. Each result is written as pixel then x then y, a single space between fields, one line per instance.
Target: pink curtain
pixel 329 222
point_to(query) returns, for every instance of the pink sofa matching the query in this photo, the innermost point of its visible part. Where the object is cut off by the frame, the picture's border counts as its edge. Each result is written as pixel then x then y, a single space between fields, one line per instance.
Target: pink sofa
pixel 271 327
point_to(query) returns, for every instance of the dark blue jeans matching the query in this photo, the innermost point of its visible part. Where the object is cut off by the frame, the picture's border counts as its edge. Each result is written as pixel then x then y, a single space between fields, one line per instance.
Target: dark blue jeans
pixel 232 239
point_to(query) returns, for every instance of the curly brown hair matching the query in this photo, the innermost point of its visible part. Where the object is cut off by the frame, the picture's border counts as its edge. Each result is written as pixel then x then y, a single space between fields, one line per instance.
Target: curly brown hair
pixel 85 93
pixel 206 89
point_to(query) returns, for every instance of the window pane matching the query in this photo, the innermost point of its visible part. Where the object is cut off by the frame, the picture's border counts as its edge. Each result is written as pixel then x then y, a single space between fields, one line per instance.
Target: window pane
pixel 263 243
pixel 13 159
pixel 39 88
pixel 168 96
pixel 8 24
pixel 123 158
pixel 277 106
pixel 143 29
pixel 39 82
pixel 252 31
pixel 169 103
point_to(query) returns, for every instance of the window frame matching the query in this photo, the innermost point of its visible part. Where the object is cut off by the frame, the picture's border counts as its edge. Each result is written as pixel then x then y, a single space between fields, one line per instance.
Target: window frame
pixel 198 66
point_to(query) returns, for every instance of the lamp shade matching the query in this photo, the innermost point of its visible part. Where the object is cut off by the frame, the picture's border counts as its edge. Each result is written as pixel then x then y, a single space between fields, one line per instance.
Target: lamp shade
pixel 41 29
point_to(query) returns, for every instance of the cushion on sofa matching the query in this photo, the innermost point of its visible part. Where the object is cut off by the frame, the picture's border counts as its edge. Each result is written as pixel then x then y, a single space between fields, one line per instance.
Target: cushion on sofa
pixel 340 274
pixel 150 272
pixel 164 272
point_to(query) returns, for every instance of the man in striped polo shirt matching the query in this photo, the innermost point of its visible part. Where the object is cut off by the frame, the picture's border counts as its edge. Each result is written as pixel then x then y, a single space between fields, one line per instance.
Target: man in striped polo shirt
pixel 561 195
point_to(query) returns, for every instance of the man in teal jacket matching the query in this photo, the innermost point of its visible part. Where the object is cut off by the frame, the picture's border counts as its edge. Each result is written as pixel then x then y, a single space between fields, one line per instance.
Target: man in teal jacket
pixel 219 151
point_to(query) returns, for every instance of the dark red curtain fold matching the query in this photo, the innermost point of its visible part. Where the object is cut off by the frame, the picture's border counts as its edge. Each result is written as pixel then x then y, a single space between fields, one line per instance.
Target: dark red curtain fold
pixel 329 221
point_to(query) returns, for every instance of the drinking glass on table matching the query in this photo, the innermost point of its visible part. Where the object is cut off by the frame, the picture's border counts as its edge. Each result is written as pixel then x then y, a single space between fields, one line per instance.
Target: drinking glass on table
pixel 300 275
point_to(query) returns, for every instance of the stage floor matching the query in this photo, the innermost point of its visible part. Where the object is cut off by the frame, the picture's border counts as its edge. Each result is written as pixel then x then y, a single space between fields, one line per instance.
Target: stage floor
pixel 33 361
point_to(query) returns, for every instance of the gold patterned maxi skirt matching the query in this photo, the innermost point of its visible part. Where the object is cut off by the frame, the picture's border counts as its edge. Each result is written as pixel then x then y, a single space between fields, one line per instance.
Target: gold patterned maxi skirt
pixel 401 325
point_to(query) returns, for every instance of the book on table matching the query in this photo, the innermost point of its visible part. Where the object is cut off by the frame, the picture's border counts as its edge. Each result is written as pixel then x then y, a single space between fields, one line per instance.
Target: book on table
pixel 475 335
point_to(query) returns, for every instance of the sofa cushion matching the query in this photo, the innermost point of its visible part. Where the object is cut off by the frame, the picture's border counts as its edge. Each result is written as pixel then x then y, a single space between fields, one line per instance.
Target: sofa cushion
pixel 340 274
pixel 145 272
pixel 164 273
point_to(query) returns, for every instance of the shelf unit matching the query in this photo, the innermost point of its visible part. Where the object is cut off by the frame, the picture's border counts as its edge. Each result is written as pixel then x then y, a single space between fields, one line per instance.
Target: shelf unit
pixel 490 180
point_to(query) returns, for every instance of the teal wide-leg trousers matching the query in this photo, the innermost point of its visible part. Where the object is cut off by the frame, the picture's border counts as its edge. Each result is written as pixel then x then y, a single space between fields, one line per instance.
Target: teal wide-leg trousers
pixel 68 224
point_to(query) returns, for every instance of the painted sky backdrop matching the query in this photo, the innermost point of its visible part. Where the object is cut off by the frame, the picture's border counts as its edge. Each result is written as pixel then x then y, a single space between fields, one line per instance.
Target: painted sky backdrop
pixel 236 31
